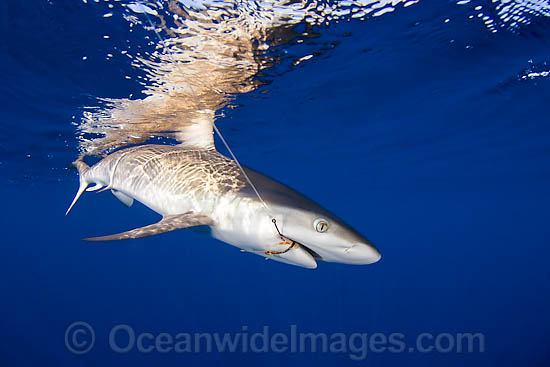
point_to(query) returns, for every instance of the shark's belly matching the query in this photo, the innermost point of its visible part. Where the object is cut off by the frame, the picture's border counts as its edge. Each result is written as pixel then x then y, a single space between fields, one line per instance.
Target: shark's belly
pixel 166 202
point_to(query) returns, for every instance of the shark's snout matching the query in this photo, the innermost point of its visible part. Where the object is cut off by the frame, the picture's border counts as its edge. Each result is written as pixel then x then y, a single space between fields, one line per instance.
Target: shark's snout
pixel 362 253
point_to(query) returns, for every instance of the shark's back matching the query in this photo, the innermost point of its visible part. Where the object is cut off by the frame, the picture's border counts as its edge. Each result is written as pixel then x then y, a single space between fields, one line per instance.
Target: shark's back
pixel 182 171
pixel 151 173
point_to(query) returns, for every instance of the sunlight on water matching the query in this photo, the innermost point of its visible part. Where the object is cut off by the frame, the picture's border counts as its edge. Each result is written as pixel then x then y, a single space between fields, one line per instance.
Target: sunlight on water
pixel 510 14
pixel 535 71
pixel 207 52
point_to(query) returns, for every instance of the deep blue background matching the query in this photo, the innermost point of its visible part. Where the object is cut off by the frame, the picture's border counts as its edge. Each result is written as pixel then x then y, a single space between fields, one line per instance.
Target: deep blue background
pixel 436 151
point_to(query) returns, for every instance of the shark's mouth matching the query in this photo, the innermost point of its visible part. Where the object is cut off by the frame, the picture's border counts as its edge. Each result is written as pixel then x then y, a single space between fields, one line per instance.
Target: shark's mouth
pixel 294 244
pixel 294 253
pixel 315 255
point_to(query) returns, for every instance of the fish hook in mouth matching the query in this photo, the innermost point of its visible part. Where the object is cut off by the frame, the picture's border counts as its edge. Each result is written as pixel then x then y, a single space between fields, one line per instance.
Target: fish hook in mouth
pixel 293 244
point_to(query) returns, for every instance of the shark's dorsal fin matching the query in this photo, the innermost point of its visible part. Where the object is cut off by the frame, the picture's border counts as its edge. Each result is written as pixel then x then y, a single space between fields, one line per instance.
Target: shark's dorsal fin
pixel 198 133
pixel 124 199
pixel 166 224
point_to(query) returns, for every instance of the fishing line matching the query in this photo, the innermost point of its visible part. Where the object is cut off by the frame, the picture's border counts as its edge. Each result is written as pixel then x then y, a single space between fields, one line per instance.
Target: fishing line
pixel 244 173
pixel 270 213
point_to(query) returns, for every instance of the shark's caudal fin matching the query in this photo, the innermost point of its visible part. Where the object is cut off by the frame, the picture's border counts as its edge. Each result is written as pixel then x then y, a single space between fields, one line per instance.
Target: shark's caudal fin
pixel 82 168
pixel 166 224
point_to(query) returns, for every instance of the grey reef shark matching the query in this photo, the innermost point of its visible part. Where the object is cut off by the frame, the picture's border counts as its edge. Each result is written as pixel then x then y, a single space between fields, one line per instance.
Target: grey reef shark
pixel 192 184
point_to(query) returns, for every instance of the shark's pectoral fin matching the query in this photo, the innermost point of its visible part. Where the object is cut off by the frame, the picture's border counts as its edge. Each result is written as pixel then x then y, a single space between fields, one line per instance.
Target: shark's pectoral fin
pixel 166 224
pixel 124 199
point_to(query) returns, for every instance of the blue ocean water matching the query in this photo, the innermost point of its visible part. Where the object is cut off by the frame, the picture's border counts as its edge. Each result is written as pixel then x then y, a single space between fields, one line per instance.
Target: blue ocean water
pixel 422 128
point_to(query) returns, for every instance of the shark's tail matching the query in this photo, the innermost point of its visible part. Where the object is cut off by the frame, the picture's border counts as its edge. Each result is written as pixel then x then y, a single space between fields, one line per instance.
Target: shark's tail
pixel 82 168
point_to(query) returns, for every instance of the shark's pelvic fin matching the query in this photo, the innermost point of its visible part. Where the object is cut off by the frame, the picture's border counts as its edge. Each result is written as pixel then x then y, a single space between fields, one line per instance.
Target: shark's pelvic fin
pixel 82 168
pixel 166 224
pixel 124 199
pixel 96 187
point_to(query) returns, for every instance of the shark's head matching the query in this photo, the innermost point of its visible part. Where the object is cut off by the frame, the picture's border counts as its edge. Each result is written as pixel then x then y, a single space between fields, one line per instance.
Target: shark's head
pixel 326 236
pixel 300 219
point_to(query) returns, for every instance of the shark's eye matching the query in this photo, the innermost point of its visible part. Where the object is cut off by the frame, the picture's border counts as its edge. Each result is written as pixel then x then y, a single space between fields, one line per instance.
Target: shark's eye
pixel 320 225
